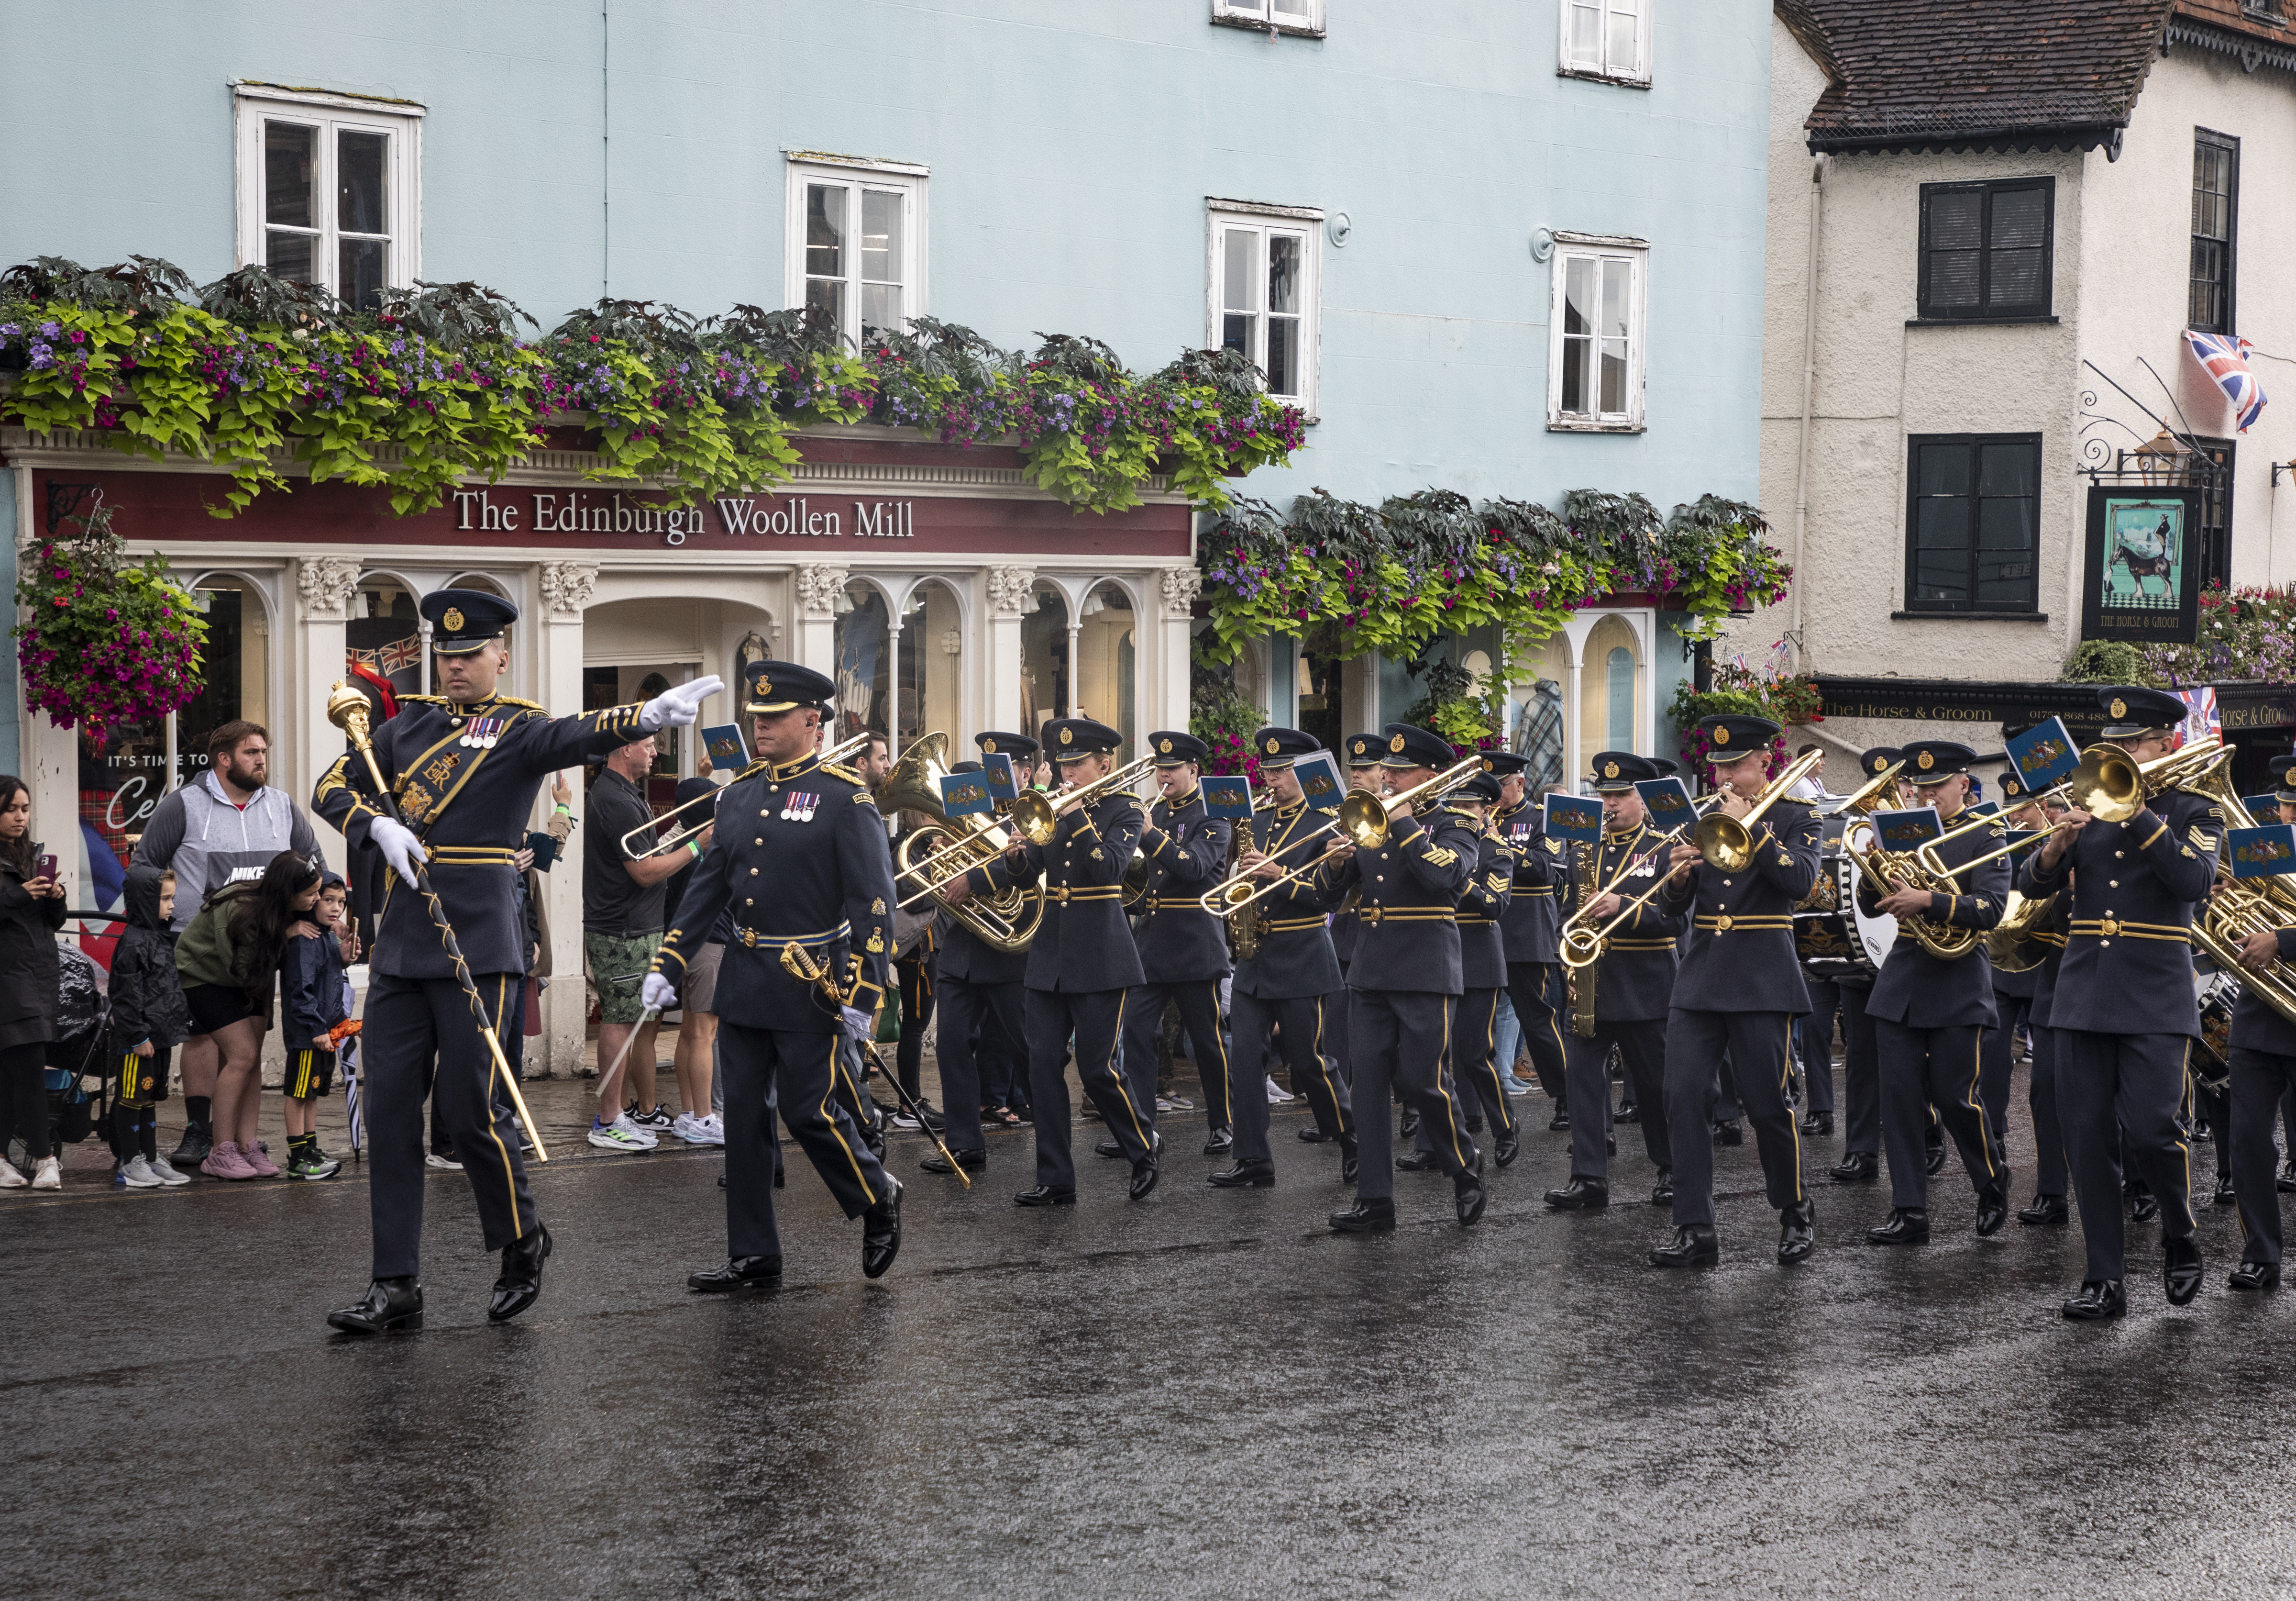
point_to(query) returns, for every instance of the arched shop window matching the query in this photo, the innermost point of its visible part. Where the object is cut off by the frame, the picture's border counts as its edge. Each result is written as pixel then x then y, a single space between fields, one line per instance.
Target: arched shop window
pixel 1619 671
pixel 1106 650
pixel 931 676
pixel 864 672
pixel 1043 661
pixel 383 634
pixel 123 774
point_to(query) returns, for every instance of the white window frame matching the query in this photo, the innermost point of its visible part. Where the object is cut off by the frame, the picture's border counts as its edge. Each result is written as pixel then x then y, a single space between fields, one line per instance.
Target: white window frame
pixel 1304 223
pixel 1304 18
pixel 255 104
pixel 907 178
pixel 1599 247
pixel 1635 72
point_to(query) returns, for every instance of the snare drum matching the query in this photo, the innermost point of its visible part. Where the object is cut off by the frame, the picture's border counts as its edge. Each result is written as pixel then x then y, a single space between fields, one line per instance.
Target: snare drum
pixel 2211 1060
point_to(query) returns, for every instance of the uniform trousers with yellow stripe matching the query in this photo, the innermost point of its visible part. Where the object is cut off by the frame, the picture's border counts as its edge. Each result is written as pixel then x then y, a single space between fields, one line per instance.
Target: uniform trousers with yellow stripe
pixel 1399 1039
pixel 1095 1019
pixel 1475 1057
pixel 1303 1020
pixel 1198 1000
pixel 797 1074
pixel 1541 995
pixel 1642 1046
pixel 1944 1068
pixel 420 1042
pixel 2116 1093
pixel 1760 1045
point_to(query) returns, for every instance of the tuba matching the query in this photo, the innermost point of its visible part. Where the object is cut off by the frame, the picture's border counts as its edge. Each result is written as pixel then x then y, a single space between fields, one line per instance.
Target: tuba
pixel 953 846
pixel 1899 870
pixel 2015 944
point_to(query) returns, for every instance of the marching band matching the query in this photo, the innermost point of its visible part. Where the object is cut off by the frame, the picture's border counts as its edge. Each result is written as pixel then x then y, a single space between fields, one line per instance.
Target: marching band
pixel 1368 940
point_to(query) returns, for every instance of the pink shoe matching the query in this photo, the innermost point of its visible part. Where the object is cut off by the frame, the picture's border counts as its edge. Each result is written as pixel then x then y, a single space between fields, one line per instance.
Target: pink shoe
pixel 224 1162
pixel 257 1158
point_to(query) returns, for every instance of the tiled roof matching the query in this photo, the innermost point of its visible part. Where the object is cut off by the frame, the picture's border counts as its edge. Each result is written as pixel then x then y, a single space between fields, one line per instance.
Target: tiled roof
pixel 2257 33
pixel 1976 74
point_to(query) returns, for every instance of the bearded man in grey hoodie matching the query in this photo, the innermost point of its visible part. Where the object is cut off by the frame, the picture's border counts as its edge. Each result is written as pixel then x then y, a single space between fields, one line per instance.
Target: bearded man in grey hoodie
pixel 226 825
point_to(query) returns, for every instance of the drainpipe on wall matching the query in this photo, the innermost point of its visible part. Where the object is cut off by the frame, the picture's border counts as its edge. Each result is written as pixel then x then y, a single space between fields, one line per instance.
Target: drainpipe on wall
pixel 1809 386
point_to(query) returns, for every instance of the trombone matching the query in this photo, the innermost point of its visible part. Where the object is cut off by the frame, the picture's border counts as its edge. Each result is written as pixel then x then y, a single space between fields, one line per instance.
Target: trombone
pixel 686 831
pixel 1036 814
pixel 2107 786
pixel 1366 817
pixel 1727 843
pixel 1582 947
pixel 1239 889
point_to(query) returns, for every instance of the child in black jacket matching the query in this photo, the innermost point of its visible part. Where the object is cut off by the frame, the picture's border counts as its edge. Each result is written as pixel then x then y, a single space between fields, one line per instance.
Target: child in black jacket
pixel 149 1019
pixel 311 994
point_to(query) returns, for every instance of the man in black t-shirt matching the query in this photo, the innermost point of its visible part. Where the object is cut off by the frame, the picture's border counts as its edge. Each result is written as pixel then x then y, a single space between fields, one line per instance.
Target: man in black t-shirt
pixel 622 921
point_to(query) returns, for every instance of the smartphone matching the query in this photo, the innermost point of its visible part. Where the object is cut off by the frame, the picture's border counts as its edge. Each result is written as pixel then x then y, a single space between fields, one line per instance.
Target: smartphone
pixel 47 867
pixel 545 847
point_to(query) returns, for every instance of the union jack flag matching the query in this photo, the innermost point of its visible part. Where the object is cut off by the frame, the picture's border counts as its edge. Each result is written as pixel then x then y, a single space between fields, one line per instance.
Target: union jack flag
pixel 399 654
pixel 2225 359
pixel 2203 721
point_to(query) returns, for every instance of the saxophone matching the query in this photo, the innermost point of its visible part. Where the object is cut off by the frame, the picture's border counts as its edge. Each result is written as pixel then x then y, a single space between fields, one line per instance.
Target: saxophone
pixel 1588 861
pixel 1247 927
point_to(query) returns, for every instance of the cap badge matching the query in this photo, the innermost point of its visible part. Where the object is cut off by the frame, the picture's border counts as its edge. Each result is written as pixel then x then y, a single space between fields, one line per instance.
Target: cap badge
pixel 989 746
pixel 2120 708
pixel 1068 737
pixel 1273 746
pixel 1721 737
pixel 1609 769
pixel 1489 765
pixel 453 622
pixel 1396 744
pixel 765 685
pixel 1165 745
pixel 1925 762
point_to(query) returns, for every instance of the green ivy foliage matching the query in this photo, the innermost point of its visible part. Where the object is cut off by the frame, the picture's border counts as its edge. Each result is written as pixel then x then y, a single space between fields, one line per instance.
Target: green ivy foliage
pixel 434 386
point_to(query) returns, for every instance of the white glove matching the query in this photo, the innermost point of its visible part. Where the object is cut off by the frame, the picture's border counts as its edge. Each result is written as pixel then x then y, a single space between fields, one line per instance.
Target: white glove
pixel 398 845
pixel 678 708
pixel 658 994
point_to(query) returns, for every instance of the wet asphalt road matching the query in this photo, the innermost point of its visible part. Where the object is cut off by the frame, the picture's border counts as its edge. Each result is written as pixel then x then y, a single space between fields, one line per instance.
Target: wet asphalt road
pixel 1203 1394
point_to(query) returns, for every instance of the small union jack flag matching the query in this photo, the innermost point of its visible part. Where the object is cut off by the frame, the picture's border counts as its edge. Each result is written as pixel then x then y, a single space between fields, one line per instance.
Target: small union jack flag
pixel 2203 719
pixel 2225 359
pixel 399 654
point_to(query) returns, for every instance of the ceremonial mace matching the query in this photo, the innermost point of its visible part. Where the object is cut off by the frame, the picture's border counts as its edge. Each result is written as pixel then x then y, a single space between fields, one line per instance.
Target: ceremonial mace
pixel 799 964
pixel 348 710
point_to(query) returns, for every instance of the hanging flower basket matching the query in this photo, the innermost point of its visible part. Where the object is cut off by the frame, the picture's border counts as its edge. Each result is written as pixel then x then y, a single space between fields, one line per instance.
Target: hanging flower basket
pixel 104 643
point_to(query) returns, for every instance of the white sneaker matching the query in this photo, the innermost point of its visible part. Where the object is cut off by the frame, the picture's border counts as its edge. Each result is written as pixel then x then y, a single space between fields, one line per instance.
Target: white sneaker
pixel 161 1169
pixel 50 1175
pixel 444 1164
pixel 1277 1095
pixel 10 1179
pixel 621 1135
pixel 136 1174
pixel 699 1131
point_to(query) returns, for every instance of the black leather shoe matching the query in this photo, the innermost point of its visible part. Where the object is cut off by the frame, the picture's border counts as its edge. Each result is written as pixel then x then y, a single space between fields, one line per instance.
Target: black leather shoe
pixel 1610 1145
pixel 520 1284
pixel 1259 1174
pixel 1580 1195
pixel 1561 1121
pixel 1416 1161
pixel 2045 1212
pixel 1311 1135
pixel 1045 1195
pixel 2287 1179
pixel 1859 1167
pixel 1468 1194
pixel 1663 1192
pixel 875 1138
pixel 1819 1125
pixel 1933 1161
pixel 392 1306
pixel 1409 1127
pixel 1109 1147
pixel 1992 1209
pixel 880 1233
pixel 972 1161
pixel 1219 1142
pixel 1374 1214
pixel 1628 1113
pixel 2255 1276
pixel 1693 1246
pixel 2143 1206
pixel 1729 1133
pixel 1474 1122
pixel 1348 1159
pixel 2225 1196
pixel 1148 1169
pixel 1908 1226
pixel 2181 1269
pixel 1797 1232
pixel 1507 1149
pixel 738 1273
pixel 2099 1298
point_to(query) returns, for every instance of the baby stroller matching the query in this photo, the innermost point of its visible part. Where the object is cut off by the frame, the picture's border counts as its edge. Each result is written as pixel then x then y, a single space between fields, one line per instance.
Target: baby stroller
pixel 77 1085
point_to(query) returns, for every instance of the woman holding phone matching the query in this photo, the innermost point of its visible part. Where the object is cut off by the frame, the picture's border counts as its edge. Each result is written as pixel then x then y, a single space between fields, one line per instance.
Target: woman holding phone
pixel 31 911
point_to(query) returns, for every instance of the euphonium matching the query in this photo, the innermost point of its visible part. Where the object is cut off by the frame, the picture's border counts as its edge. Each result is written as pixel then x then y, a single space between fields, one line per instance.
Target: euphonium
pixel 2240 906
pixel 2013 944
pixel 1007 921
